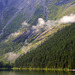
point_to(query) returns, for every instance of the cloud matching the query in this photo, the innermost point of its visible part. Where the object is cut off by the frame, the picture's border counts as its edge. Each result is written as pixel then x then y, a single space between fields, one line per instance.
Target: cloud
pixel 39 25
pixel 52 23
pixel 18 32
pixel 42 24
pixel 12 56
pixel 25 24
pixel 67 19
pixel 13 35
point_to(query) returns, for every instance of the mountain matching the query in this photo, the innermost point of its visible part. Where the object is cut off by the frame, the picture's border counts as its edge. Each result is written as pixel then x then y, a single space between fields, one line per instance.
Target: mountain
pixel 57 52
pixel 13 13
pixel 26 24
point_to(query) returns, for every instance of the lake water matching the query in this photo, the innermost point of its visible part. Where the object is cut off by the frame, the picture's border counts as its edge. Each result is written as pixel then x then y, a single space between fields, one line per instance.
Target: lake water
pixel 36 73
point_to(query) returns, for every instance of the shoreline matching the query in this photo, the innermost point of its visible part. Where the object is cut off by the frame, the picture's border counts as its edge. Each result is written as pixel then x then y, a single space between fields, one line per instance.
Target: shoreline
pixel 44 69
pixel 37 69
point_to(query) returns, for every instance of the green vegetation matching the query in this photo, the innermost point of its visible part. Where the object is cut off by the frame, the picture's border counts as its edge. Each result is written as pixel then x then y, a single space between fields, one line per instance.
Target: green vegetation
pixel 52 11
pixel 7 16
pixel 38 14
pixel 13 26
pixel 39 69
pixel 56 12
pixel 68 11
pixel 5 65
pixel 57 52
pixel 9 47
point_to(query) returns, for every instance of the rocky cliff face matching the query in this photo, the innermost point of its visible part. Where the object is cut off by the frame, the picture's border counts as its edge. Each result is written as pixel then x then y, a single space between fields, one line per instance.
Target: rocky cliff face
pixel 19 5
pixel 28 6
pixel 9 9
pixel 30 10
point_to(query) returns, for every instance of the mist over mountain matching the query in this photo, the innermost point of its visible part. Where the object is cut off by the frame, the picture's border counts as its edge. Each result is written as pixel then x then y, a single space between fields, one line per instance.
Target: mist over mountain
pixel 29 10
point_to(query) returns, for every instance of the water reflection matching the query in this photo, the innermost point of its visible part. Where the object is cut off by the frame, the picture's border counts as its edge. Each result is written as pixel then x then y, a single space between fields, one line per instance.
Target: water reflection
pixel 36 73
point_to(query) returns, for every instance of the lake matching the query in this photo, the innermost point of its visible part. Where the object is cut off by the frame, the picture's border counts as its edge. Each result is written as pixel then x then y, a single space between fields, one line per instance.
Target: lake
pixel 36 73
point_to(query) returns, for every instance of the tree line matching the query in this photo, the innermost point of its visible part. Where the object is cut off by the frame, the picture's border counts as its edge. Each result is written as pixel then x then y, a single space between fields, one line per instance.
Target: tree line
pixel 57 52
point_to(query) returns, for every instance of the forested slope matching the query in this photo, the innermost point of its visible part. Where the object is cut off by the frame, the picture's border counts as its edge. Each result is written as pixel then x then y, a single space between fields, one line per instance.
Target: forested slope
pixel 57 52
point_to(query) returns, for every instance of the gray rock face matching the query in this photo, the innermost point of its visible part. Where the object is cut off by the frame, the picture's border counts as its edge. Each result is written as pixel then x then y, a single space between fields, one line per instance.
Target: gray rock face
pixel 24 5
pixel 27 7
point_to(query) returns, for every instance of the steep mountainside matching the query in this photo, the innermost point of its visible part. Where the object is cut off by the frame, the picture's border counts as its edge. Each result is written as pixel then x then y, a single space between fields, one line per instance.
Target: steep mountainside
pixel 25 24
pixel 57 52
pixel 10 10
pixel 13 13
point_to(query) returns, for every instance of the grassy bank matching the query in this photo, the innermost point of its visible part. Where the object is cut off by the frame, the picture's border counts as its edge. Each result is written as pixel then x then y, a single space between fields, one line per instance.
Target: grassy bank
pixel 36 69
pixel 43 69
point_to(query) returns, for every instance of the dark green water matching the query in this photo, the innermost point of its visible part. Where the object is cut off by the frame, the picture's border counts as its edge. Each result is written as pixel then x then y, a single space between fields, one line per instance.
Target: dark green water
pixel 35 73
